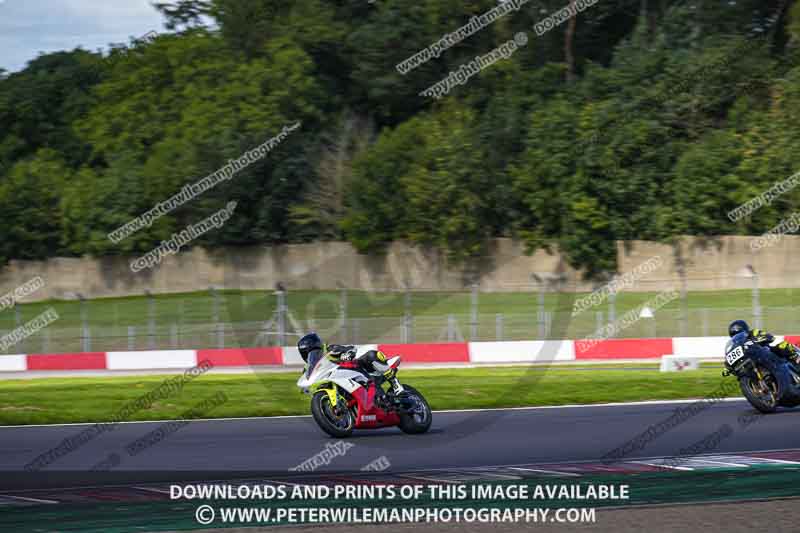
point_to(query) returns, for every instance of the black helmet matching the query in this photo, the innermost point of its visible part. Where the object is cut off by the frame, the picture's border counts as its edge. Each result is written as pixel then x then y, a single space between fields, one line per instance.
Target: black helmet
pixel 737 326
pixel 309 343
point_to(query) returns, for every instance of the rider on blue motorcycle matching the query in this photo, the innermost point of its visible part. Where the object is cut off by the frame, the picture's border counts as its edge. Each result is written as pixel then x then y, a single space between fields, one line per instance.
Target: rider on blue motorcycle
pixel 785 350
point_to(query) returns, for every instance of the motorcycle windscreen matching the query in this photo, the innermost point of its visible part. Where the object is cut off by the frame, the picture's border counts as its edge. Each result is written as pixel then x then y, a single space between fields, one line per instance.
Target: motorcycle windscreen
pixel 313 360
pixel 735 341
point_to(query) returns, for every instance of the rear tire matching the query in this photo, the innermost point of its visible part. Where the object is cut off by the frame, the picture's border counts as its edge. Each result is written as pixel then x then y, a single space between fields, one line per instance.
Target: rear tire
pixel 764 400
pixel 338 426
pixel 419 422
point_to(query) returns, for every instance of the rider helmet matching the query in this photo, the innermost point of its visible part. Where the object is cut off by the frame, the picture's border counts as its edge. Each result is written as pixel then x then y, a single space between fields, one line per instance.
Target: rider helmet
pixel 738 326
pixel 307 344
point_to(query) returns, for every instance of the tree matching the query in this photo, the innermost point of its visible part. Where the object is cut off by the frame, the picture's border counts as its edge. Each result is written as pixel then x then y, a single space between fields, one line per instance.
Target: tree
pixel 30 203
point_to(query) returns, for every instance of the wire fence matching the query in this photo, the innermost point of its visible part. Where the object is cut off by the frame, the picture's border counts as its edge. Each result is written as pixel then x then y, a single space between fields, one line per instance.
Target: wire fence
pixel 229 319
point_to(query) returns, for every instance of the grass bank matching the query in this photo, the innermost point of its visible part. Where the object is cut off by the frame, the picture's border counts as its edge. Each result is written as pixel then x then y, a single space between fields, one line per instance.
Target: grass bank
pixel 62 400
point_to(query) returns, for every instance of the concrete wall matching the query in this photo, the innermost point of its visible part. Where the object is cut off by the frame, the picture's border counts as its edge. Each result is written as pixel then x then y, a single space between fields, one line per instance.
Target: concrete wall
pixel 715 264
pixel 300 266
pixel 709 264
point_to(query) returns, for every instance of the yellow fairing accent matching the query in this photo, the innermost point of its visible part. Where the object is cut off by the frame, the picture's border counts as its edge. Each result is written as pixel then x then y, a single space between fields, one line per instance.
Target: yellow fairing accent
pixel 328 356
pixel 329 388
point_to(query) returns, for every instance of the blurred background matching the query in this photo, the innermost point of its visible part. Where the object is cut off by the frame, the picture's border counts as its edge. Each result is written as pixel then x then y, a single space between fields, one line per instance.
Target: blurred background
pixel 637 120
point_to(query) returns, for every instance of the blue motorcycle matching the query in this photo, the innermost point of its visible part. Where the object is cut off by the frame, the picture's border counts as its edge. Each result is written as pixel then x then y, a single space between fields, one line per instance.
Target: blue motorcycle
pixel 766 380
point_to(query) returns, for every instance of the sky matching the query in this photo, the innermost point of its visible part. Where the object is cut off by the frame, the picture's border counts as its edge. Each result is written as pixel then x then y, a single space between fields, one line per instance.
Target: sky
pixel 28 27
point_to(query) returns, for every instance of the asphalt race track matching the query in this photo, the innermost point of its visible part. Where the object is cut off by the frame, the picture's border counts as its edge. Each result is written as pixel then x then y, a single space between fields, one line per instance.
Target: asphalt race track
pixel 457 440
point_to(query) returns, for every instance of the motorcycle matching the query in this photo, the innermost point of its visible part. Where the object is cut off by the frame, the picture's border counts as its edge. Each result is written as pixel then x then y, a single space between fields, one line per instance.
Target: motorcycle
pixel 344 398
pixel 766 380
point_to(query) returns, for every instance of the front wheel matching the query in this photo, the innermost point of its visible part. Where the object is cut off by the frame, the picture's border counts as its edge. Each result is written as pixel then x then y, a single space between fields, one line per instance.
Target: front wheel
pixel 763 394
pixel 418 418
pixel 337 421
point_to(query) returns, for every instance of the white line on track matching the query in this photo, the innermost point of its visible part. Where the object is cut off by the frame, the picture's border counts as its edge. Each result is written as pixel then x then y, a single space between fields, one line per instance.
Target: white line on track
pixel 659 465
pixel 25 499
pixel 782 461
pixel 151 489
pixel 715 462
pixel 429 478
pixel 491 409
pixel 545 471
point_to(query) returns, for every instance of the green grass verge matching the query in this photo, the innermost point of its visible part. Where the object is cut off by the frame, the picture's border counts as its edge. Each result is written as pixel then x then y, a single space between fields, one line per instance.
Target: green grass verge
pixel 60 400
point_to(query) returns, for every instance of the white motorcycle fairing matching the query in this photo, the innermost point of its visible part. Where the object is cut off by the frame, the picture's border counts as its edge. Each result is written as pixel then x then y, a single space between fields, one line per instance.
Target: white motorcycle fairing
pixel 328 371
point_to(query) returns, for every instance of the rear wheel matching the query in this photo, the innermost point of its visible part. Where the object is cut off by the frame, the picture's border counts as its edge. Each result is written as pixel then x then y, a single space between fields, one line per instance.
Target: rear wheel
pixel 417 419
pixel 337 421
pixel 763 394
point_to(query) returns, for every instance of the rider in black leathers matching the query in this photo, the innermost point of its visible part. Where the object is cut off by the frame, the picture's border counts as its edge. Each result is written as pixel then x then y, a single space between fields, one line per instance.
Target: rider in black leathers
pixel 784 349
pixel 371 363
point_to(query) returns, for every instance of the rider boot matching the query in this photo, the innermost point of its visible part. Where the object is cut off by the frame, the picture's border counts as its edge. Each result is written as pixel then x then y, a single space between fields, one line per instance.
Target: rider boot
pixel 788 351
pixel 373 363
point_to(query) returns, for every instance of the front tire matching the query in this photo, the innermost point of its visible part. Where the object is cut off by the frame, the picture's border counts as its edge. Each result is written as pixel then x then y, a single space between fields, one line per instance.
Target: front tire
pixel 337 422
pixel 418 421
pixel 763 395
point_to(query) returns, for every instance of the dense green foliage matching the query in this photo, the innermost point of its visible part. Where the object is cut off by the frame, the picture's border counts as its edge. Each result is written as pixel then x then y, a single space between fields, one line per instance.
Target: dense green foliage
pixel 643 119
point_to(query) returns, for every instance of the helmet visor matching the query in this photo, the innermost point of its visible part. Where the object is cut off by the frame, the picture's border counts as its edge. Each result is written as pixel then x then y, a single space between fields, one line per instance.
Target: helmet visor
pixel 314 357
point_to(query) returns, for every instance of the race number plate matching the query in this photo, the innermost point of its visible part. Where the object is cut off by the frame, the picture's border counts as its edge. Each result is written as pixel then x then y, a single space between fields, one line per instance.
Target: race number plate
pixel 734 355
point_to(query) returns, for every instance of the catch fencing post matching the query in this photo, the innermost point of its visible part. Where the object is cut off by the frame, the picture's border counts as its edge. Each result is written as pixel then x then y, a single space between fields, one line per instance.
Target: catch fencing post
pixel 548 323
pixel 217 328
pixel 498 326
pixel 407 318
pixel 749 272
pixel 684 301
pixel 343 313
pixel 173 335
pixel 151 320
pixel 181 313
pixel 544 281
pixel 18 322
pixel 473 316
pixel 756 301
pixel 612 308
pixel 705 322
pixel 86 334
pixel 131 338
pixel 280 292
pixel 612 301
pixel 451 328
pixel 540 312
